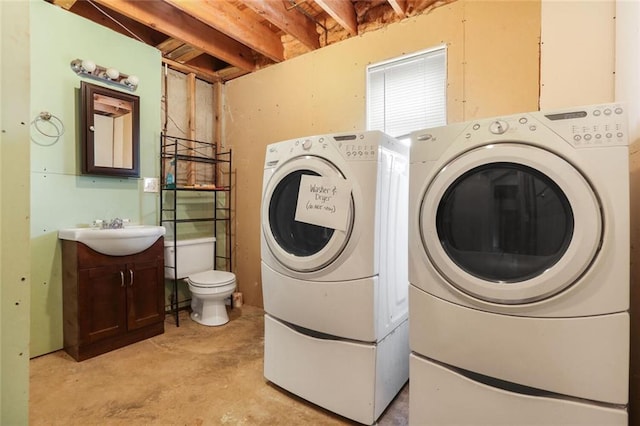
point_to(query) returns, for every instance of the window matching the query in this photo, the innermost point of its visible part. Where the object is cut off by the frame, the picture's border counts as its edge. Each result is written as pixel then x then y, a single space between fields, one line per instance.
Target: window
pixel 408 93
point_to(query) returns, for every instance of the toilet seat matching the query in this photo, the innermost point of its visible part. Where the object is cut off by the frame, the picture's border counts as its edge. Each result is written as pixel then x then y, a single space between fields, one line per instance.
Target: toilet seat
pixel 211 278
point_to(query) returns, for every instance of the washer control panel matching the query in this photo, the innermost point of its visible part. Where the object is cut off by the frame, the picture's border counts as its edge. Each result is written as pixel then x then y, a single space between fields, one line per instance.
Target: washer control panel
pixel 363 146
pixel 359 151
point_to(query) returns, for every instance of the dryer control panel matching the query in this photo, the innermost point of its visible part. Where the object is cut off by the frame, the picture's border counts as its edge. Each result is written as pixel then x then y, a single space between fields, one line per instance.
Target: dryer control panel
pixel 583 127
pixel 590 126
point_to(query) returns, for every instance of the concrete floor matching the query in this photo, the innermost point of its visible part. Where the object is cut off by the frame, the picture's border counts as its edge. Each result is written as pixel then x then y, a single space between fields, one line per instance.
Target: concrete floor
pixel 190 375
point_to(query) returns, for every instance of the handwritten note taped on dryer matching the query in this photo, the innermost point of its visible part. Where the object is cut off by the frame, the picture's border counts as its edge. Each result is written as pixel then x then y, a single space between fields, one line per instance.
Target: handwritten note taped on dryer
pixel 324 201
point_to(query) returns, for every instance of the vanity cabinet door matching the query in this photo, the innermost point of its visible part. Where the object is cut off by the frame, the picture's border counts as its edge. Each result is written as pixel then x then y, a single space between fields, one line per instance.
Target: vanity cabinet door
pixel 110 301
pixel 101 303
pixel 145 294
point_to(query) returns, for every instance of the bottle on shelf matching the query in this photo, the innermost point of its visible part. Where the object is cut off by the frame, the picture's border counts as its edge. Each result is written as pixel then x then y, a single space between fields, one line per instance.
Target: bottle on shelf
pixel 171 180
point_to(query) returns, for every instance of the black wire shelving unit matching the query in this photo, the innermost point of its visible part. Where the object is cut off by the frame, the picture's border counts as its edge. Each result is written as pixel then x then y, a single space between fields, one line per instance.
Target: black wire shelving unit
pixel 195 167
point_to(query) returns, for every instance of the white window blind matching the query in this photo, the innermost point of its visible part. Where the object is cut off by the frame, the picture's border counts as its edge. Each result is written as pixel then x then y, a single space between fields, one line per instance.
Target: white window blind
pixel 407 94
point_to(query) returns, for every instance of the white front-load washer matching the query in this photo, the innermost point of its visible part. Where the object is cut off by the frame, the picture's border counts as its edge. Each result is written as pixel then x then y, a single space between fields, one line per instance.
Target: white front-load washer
pixel 334 270
pixel 519 263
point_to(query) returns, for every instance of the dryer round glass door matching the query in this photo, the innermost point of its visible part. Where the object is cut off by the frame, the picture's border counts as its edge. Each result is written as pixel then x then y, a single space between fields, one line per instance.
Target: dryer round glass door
pixel 510 223
pixel 300 246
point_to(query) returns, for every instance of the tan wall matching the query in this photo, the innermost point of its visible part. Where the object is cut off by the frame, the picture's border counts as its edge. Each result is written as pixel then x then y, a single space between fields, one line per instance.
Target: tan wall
pixel 578 53
pixel 493 68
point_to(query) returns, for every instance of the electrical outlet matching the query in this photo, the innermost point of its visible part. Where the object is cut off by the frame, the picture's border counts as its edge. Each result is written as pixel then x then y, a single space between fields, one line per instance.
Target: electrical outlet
pixel 150 184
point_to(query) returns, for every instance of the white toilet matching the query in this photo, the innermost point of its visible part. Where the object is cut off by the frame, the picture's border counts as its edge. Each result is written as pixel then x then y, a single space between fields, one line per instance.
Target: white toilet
pixel 209 288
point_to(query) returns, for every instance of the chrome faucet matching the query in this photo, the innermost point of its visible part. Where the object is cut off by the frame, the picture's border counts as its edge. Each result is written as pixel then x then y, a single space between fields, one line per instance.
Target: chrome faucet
pixel 116 223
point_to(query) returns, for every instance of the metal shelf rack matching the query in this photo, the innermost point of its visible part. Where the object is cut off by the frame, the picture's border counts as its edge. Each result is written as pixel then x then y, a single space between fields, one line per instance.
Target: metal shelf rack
pixel 196 167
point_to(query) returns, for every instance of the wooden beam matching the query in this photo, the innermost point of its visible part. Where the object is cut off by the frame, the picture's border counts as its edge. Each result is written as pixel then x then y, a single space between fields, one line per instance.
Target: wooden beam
pixel 217 119
pixel 230 73
pixel 109 18
pixel 65 4
pixel 192 170
pixel 202 74
pixel 184 53
pixel 399 6
pixel 288 20
pixel 179 25
pixel 169 45
pixel 343 12
pixel 243 26
pixel 220 76
pixel 188 55
pixel 191 105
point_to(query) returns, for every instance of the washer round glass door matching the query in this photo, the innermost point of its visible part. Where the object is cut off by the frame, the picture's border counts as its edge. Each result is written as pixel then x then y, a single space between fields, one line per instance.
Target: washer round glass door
pixel 510 223
pixel 300 246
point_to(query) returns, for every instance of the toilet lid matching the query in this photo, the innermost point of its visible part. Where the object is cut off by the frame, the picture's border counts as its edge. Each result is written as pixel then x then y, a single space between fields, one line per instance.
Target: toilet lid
pixel 211 278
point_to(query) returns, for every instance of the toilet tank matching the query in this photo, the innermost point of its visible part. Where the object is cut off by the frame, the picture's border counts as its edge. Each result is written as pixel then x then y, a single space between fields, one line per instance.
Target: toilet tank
pixel 194 255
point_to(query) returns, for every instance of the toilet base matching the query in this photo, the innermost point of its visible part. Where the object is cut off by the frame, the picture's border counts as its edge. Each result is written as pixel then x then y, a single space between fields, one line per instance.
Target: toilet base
pixel 210 313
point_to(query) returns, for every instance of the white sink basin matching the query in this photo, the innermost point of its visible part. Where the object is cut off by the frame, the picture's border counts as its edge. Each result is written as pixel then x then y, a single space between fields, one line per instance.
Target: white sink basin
pixel 115 242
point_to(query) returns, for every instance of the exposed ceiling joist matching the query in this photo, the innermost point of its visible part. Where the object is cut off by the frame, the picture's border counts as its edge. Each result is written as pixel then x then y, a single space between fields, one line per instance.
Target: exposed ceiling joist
pixel 206 75
pixel 219 40
pixel 65 4
pixel 343 12
pixel 240 25
pixel 169 45
pixel 288 19
pixel 177 24
pixel 184 53
pixel 399 6
pixel 117 22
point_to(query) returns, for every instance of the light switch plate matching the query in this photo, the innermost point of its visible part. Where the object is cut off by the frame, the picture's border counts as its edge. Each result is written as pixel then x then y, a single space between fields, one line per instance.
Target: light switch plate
pixel 150 184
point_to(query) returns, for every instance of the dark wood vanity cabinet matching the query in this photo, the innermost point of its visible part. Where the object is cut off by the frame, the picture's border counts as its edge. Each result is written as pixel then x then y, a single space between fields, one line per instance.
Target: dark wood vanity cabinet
pixel 110 301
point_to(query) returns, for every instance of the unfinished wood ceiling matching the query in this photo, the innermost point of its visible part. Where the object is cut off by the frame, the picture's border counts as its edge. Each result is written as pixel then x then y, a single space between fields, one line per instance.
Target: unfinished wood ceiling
pixel 222 39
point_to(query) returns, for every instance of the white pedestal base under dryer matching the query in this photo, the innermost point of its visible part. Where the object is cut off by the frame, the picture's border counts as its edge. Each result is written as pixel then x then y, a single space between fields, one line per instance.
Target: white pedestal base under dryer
pixel 442 396
pixel 353 379
pixel 569 356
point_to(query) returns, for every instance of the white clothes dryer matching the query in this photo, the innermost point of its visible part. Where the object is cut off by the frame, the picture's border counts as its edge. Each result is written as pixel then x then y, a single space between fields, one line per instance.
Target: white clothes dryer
pixel 519 251
pixel 334 270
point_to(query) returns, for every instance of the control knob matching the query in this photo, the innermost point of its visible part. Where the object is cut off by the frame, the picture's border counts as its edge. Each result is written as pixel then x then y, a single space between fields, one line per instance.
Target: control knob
pixel 498 127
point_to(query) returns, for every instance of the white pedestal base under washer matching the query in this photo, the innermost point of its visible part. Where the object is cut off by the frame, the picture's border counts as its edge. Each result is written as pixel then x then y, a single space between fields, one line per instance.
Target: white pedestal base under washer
pixel 519 252
pixel 335 283
pixel 357 380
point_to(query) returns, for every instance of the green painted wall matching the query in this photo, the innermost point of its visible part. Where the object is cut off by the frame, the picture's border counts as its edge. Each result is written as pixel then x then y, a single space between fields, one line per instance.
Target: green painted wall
pixel 60 196
pixel 14 213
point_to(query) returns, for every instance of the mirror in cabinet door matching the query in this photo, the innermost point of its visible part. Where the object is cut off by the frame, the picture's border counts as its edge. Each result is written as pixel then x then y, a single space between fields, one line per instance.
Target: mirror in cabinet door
pixel 110 137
